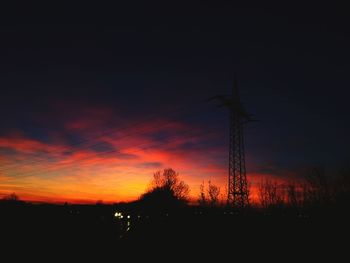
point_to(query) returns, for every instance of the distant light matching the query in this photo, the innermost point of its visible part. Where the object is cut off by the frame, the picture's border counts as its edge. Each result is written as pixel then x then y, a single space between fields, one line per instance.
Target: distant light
pixel 121 217
pixel 118 215
pixel 128 217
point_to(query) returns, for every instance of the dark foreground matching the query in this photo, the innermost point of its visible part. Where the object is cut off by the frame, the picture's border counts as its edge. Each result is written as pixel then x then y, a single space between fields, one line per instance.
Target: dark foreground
pixel 52 232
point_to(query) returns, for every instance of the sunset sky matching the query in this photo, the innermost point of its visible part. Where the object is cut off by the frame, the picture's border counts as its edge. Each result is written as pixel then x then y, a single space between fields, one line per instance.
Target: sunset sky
pixel 94 101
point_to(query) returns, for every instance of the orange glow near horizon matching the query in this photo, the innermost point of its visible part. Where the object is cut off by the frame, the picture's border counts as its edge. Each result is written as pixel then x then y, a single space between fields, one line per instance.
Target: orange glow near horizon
pixel 112 167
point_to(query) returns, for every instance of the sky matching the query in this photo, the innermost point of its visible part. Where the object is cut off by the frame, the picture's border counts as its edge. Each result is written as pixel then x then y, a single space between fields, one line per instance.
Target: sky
pixel 95 99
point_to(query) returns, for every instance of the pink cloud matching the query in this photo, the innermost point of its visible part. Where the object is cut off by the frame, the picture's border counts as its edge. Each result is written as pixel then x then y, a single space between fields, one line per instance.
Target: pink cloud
pixel 81 172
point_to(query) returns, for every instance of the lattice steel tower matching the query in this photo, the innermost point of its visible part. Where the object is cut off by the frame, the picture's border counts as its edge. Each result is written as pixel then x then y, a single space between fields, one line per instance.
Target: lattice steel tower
pixel 237 180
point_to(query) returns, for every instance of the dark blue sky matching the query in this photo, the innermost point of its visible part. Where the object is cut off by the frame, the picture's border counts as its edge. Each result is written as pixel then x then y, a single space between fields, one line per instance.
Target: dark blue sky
pixel 147 60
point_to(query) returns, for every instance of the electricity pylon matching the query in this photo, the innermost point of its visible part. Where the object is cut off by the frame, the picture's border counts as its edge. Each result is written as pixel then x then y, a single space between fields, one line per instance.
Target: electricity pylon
pixel 237 179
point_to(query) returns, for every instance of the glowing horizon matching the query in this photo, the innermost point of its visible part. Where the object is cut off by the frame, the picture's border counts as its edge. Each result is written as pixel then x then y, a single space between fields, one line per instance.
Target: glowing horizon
pixel 113 166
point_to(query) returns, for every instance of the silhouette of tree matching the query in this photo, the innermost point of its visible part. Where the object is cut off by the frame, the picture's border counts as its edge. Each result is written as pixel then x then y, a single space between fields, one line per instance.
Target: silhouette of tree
pixel 166 190
pixel 224 194
pixel 318 189
pixel 213 193
pixel 13 197
pixel 209 196
pixel 319 184
pixel 292 194
pixel 270 195
pixel 202 200
pixel 169 181
pixel 99 202
pixel 249 187
pixel 323 190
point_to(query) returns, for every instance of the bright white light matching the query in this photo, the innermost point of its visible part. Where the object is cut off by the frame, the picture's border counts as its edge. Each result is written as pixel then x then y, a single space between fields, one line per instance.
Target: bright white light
pixel 128 217
pixel 118 215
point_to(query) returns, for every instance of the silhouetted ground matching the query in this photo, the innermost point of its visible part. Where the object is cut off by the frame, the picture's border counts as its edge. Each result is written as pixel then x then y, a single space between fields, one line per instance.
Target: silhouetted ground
pixel 83 231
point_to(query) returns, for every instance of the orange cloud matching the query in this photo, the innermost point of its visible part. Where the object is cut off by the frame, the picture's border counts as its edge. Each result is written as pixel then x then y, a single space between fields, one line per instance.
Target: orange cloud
pixel 114 165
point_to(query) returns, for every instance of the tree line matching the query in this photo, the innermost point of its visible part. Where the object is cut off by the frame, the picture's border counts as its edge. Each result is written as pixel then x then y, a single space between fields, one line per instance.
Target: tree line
pixel 315 190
